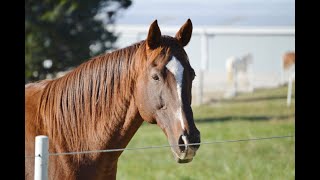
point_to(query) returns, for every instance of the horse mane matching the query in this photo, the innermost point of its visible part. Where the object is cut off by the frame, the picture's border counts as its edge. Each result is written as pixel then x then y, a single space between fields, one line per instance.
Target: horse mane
pixel 73 106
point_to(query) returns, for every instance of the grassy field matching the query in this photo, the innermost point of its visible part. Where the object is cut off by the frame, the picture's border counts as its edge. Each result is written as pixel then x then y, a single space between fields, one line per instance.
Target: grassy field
pixel 261 114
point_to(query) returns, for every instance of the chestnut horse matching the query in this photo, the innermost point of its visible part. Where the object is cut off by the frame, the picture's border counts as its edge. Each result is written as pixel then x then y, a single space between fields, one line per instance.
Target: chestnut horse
pixel 288 66
pixel 288 60
pixel 102 103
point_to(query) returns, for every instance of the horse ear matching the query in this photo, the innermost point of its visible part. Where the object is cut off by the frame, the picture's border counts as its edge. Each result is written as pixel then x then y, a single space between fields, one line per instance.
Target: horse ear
pixel 184 34
pixel 154 36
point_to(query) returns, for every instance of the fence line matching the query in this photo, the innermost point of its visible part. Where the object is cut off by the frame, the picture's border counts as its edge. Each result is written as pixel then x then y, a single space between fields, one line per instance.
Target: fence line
pixel 164 146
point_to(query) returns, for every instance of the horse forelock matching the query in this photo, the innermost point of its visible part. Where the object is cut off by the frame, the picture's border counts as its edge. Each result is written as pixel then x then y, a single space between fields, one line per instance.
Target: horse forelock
pixel 169 48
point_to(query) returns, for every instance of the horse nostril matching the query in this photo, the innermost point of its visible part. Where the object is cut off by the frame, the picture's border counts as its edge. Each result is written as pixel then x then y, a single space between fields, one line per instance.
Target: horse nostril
pixel 182 143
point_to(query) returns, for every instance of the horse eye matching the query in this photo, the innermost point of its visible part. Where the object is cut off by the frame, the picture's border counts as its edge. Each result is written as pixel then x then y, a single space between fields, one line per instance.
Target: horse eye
pixel 155 77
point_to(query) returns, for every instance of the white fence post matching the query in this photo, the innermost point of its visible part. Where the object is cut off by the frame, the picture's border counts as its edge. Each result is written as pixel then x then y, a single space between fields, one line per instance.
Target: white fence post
pixel 41 158
pixel 289 89
pixel 203 65
pixel 200 88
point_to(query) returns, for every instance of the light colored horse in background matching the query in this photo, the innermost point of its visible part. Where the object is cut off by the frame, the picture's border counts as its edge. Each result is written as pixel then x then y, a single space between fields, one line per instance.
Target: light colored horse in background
pixel 237 73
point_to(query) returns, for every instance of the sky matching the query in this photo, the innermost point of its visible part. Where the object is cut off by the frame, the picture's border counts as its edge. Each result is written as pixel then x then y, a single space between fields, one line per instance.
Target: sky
pixel 211 12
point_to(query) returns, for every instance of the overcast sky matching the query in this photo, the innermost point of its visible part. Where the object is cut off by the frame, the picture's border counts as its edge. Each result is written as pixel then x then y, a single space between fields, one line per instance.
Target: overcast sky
pixel 211 12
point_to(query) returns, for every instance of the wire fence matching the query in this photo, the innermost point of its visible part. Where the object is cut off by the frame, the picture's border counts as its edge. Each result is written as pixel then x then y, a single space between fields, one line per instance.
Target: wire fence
pixel 165 146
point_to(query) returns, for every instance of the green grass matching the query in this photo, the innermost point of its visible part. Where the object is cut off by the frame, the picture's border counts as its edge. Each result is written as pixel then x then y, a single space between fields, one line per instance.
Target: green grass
pixel 261 114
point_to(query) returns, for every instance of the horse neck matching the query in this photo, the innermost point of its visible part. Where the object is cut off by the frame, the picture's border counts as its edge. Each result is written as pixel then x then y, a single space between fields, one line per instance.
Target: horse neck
pixel 121 119
pixel 102 117
pixel 119 122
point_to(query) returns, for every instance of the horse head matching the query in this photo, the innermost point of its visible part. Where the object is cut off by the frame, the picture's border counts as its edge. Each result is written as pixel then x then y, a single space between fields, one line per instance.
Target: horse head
pixel 163 94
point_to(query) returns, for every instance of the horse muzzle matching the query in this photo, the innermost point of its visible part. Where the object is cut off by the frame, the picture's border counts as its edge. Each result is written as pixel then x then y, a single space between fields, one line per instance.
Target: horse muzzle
pixel 186 152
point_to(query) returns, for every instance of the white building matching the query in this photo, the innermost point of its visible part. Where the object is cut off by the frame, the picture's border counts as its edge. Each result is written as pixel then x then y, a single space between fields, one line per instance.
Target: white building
pixel 221 29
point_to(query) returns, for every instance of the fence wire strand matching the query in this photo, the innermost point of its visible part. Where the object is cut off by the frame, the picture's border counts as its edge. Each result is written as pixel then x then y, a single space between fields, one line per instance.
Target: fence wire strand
pixel 164 146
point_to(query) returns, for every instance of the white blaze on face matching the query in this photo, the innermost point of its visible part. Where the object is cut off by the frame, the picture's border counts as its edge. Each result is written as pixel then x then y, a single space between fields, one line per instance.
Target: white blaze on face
pixel 175 67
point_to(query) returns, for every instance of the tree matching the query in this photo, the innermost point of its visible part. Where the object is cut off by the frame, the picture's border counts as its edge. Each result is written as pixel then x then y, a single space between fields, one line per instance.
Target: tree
pixel 62 32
